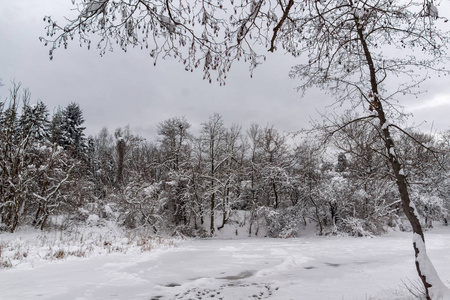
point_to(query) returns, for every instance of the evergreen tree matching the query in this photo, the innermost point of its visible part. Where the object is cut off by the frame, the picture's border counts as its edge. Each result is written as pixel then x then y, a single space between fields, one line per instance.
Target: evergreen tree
pixel 72 136
pixel 34 121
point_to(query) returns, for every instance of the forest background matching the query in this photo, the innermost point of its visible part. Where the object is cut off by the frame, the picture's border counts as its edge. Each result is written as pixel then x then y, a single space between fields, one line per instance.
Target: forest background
pixel 181 182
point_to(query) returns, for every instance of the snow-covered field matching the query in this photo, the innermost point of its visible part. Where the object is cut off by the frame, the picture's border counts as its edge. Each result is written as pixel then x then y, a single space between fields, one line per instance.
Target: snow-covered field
pixel 309 267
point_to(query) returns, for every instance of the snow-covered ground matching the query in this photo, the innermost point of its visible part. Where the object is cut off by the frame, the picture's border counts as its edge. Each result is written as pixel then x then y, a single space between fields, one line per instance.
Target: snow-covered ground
pixel 309 267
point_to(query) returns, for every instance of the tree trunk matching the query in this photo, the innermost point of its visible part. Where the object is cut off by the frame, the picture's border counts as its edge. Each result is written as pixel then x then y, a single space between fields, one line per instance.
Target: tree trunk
pixel 274 187
pixel 225 203
pixel 250 223
pixel 120 160
pixel 211 227
pixel 434 288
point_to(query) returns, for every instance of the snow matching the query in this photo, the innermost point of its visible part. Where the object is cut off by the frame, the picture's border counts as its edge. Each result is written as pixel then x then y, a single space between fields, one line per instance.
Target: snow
pixel 93 219
pixel 413 206
pixel 392 151
pixel 309 267
pixel 433 11
pixel 359 12
pixel 92 7
pixel 438 290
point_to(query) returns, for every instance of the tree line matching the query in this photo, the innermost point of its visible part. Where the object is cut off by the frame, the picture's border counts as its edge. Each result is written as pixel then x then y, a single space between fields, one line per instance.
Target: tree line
pixel 192 184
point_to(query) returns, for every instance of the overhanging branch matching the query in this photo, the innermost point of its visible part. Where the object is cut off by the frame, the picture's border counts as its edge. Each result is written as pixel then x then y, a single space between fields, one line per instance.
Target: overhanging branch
pixel 277 28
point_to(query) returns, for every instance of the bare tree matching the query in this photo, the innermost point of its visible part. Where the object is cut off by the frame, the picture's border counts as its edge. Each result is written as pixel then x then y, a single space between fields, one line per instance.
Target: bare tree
pixel 274 153
pixel 253 136
pixel 234 150
pixel 344 56
pixel 126 143
pixel 174 139
pixel 307 157
pixel 212 138
pixel 102 164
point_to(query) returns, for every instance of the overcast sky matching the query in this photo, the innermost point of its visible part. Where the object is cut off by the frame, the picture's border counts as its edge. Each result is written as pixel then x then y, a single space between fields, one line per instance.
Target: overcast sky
pixel 122 89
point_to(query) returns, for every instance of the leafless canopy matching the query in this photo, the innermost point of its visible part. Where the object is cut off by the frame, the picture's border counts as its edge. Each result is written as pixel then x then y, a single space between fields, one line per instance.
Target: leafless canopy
pixel 213 34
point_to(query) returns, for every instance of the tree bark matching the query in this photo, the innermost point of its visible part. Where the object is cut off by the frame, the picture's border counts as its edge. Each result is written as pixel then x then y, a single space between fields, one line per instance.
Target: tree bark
pixel 120 160
pixel 275 193
pixel 213 203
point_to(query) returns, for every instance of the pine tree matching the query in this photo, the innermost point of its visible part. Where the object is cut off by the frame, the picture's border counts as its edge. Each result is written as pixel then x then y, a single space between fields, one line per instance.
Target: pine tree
pixel 34 121
pixel 72 136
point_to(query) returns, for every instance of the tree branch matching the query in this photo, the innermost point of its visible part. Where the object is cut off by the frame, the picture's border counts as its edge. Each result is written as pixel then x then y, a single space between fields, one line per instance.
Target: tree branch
pixel 277 28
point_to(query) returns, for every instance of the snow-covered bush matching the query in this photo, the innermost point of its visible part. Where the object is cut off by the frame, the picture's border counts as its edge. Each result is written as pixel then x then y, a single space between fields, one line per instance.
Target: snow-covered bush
pixel 5 262
pixel 430 207
pixel 76 242
pixel 355 227
pixel 283 223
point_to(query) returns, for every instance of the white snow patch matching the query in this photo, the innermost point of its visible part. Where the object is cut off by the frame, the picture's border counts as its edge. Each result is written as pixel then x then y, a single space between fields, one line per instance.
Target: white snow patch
pixel 438 290
pixel 92 7
pixel 413 206
pixel 433 10
pixel 392 151
pixel 93 219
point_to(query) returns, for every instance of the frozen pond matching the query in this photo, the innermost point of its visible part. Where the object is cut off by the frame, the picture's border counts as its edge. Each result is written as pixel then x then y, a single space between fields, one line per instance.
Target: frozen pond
pixel 313 268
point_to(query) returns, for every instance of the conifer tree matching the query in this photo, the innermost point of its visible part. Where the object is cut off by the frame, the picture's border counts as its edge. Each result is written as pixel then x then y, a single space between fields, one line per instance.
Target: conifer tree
pixel 71 132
